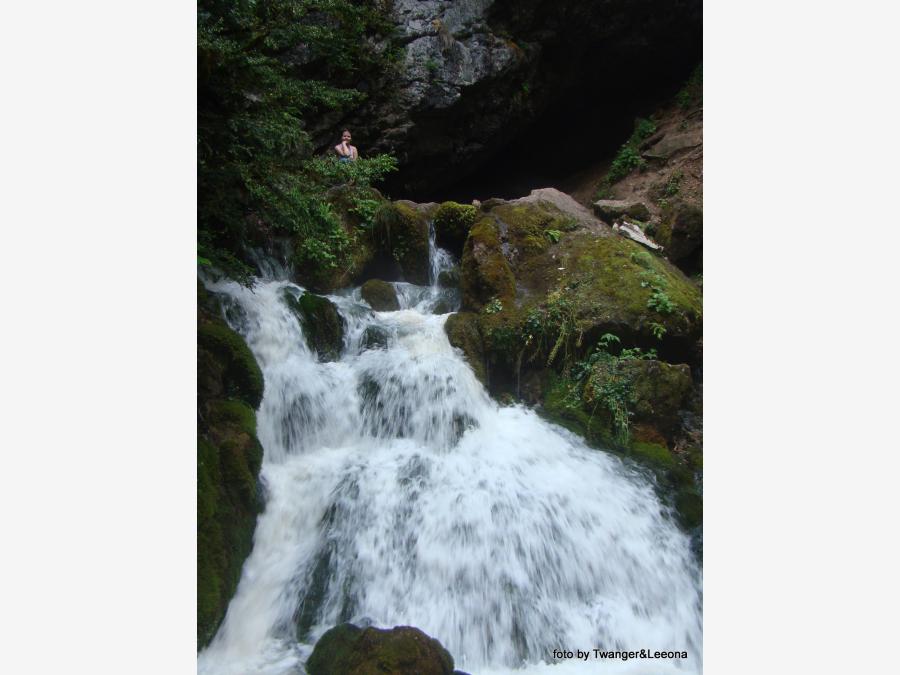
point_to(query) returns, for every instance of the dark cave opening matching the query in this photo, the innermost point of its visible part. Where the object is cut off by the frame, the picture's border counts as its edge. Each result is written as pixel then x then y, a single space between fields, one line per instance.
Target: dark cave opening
pixel 578 133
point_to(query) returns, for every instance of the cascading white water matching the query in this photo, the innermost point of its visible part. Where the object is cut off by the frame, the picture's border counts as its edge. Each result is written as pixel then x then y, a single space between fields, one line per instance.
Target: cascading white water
pixel 399 493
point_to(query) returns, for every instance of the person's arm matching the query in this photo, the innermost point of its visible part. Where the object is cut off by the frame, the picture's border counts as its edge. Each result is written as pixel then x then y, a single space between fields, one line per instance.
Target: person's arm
pixel 354 153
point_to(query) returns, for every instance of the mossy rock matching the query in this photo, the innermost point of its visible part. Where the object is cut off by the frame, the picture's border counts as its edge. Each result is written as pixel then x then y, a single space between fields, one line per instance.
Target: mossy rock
pixel 463 333
pixel 229 457
pixel 350 650
pixel 452 222
pixel 486 274
pixel 529 229
pixel 222 350
pixel 323 326
pixel 401 231
pixel 380 295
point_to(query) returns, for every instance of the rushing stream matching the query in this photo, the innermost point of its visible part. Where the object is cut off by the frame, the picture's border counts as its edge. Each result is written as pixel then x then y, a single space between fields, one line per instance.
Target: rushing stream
pixel 398 493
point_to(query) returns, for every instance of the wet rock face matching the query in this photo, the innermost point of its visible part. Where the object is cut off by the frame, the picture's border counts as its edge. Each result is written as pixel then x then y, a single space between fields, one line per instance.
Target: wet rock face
pixel 322 324
pixel 474 74
pixel 350 650
pixel 380 295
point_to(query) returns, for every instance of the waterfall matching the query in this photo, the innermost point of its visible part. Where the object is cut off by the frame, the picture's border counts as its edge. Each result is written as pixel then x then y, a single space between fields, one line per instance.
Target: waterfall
pixel 398 493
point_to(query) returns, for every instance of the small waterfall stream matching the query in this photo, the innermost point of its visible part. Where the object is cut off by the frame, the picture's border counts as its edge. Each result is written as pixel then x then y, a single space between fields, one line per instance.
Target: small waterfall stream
pixel 397 492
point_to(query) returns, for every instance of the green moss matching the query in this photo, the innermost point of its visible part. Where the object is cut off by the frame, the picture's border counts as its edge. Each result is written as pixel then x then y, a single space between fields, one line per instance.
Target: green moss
pixel 380 295
pixel 463 333
pixel 402 232
pixel 689 507
pixel 242 377
pixel 452 222
pixel 656 453
pixel 485 271
pixel 348 650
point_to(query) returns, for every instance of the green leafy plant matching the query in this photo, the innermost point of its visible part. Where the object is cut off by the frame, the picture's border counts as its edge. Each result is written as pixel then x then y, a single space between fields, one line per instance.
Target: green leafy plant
pixel 628 158
pixel 660 302
pixel 658 330
pixel 553 235
pixel 494 306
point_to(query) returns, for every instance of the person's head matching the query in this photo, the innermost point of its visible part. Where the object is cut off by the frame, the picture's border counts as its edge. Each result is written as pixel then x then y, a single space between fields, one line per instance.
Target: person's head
pixel 345 136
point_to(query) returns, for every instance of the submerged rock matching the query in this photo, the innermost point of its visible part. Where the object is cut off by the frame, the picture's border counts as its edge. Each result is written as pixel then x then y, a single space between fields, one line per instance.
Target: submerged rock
pixel 374 337
pixel 380 295
pixel 322 324
pixel 402 650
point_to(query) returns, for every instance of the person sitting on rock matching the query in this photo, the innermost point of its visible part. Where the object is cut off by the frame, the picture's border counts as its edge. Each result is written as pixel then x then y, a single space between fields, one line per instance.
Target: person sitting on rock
pixel 345 151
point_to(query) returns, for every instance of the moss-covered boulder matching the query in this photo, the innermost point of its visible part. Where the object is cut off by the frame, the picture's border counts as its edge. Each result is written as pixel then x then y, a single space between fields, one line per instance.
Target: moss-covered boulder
pixel 229 456
pixel 401 232
pixel 452 222
pixel 323 326
pixel 226 366
pixel 380 295
pixel 463 332
pixel 486 274
pixel 350 650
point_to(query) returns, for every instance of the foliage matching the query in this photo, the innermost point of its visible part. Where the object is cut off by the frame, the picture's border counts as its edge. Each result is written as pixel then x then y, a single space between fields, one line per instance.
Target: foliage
pixel 673 185
pixel 609 387
pixel 494 306
pixel 692 92
pixel 628 158
pixel 553 235
pixel 659 300
pixel 264 70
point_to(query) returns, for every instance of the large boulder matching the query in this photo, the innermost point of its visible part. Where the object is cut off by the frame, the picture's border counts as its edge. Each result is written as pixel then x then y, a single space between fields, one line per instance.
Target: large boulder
pixel 402 650
pixel 380 295
pixel 323 326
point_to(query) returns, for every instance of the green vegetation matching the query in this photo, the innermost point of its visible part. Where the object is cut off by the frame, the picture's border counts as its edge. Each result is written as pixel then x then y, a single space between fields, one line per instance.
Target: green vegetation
pixel 691 93
pixel 257 172
pixel 628 158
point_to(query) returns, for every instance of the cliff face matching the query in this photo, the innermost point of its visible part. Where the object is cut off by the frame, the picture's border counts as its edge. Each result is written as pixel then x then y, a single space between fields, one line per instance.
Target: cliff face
pixel 475 74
